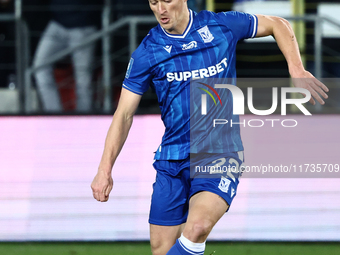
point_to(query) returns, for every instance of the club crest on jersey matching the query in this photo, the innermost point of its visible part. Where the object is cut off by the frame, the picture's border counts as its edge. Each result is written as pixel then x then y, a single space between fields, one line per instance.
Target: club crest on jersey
pixel 205 34
pixel 190 45
pixel 224 184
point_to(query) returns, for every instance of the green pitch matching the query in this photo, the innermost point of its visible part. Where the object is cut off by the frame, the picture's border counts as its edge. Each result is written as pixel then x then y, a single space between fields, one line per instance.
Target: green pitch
pixel 143 248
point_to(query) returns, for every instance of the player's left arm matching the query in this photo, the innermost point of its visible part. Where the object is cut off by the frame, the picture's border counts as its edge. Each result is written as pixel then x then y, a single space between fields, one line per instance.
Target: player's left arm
pixel 284 35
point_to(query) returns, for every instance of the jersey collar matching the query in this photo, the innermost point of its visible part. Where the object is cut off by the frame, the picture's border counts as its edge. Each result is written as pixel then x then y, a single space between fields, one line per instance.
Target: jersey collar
pixel 185 31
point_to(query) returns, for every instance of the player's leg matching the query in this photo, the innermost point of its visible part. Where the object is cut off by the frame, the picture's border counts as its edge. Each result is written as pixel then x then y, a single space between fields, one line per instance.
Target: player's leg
pixel 210 199
pixel 162 238
pixel 205 209
pixel 169 205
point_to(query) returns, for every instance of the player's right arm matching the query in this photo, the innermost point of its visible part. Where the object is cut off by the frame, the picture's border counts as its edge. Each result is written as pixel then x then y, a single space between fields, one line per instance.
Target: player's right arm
pixel 121 122
pixel 284 35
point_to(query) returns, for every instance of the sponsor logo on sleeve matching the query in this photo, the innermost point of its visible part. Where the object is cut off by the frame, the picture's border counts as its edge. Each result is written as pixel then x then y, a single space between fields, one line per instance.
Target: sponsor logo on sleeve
pixel 128 71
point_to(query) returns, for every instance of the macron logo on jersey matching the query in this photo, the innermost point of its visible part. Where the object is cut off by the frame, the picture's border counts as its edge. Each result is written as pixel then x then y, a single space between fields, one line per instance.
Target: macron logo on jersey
pixel 168 48
pixel 198 74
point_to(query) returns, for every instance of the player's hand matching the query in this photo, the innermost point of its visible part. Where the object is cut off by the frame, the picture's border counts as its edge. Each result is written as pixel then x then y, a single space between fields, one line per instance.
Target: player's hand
pixel 101 186
pixel 307 81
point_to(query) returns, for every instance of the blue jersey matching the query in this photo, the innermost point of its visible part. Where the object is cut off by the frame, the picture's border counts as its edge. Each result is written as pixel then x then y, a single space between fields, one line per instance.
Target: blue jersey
pixel 168 62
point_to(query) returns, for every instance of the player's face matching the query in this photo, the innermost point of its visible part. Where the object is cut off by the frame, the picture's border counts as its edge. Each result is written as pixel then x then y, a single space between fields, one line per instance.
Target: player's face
pixel 172 15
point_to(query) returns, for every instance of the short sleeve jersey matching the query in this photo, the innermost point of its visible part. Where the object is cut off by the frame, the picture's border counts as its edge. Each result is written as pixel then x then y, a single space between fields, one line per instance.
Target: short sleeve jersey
pixel 168 62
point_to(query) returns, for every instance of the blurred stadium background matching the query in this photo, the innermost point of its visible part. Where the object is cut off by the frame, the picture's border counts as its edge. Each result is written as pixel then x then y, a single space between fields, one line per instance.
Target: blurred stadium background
pixel 47 162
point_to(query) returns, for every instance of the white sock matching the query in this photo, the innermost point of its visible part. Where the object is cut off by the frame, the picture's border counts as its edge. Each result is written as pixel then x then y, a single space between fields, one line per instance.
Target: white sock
pixel 195 247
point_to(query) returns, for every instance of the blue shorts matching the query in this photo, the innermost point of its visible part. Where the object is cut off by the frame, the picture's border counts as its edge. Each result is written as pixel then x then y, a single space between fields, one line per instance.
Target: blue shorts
pixel 178 180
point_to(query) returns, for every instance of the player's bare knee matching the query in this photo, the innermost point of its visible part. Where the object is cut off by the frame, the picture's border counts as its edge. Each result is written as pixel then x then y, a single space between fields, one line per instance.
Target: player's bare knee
pixel 160 247
pixel 155 245
pixel 162 250
pixel 198 231
pixel 157 251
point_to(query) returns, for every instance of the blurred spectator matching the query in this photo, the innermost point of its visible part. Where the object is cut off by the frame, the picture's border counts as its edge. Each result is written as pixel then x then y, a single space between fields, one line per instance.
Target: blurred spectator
pixel 72 22
pixel 7 46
